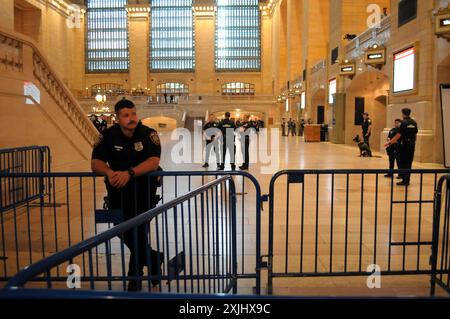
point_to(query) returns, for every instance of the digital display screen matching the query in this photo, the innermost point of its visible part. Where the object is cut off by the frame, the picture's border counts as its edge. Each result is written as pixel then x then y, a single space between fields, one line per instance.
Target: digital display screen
pixel 287 105
pixel 331 90
pixel 404 70
pixel 347 69
pixel 303 101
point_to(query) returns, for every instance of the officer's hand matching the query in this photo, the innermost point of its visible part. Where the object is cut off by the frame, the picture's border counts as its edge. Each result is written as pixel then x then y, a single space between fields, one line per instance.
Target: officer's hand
pixel 112 178
pixel 122 179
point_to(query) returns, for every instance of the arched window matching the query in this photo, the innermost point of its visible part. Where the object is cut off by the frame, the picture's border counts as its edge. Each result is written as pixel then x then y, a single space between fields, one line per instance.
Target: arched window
pixel 107 89
pixel 238 88
pixel 106 36
pixel 238 35
pixel 171 92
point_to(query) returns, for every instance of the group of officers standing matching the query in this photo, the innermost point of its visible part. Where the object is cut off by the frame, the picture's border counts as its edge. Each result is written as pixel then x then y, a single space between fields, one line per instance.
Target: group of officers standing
pixel 221 135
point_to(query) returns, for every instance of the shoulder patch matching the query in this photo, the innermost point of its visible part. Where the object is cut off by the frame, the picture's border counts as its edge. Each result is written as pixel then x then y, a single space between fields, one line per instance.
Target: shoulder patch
pixel 154 137
pixel 98 140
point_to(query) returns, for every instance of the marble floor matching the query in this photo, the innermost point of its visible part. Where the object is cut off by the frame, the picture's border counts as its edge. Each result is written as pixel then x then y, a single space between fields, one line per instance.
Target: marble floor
pixel 349 235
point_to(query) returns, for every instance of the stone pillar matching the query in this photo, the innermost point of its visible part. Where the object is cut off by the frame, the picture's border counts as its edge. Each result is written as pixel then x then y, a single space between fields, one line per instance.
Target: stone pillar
pixel 337 128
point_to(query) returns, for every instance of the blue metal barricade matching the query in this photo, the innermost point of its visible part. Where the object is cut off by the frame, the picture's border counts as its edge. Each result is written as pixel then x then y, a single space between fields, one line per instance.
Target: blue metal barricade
pixel 349 223
pixel 32 231
pixel 16 191
pixel 198 228
pixel 440 258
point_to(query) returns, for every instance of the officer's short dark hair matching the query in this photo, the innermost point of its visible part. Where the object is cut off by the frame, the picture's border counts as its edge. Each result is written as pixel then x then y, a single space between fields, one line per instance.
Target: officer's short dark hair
pixel 123 104
pixel 406 111
pixel 398 120
pixel 227 115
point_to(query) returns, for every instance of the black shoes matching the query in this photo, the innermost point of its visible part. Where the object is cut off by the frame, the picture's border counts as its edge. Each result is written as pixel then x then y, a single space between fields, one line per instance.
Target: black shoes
pixel 220 168
pixel 135 285
pixel 402 183
pixel 389 175
pixel 205 165
pixel 157 261
pixel 243 168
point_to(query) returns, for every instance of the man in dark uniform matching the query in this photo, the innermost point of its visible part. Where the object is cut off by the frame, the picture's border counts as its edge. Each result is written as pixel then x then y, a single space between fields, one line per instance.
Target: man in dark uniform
pixel 392 150
pixel 227 128
pixel 406 139
pixel 125 153
pixel 366 128
pixel 247 128
pixel 211 140
pixel 283 127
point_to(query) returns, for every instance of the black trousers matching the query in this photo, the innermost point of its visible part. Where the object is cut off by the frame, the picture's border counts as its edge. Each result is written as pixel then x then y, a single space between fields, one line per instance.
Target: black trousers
pixel 136 198
pixel 245 145
pixel 366 139
pixel 231 147
pixel 393 157
pixel 405 159
pixel 212 145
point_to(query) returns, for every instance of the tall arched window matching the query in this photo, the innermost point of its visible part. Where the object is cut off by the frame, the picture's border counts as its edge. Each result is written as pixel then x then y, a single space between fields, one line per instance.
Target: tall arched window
pixel 238 88
pixel 106 36
pixel 172 36
pixel 238 35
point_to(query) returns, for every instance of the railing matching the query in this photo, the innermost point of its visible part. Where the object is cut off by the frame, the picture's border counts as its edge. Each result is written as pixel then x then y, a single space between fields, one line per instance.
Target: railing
pixel 440 259
pixel 17 191
pixel 199 228
pixel 346 222
pixel 49 80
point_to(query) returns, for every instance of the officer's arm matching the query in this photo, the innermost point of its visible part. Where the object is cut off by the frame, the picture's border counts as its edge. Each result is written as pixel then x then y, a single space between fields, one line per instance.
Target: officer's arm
pixel 151 164
pixel 101 168
pixel 369 131
pixel 395 139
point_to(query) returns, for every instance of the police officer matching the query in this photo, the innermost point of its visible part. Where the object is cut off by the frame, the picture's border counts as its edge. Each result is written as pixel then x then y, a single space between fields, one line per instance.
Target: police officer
pixel 211 140
pixel 406 139
pixel 366 128
pixel 392 150
pixel 227 127
pixel 283 127
pixel 125 153
pixel 247 128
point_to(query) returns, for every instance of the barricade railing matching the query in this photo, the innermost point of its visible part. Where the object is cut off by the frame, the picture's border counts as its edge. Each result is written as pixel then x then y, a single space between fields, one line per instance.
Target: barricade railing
pixel 16 191
pixel 79 210
pixel 330 223
pixel 197 228
pixel 440 258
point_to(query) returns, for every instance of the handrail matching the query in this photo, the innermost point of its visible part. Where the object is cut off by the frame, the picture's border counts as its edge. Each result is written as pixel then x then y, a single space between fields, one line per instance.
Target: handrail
pixel 42 266
pixel 56 88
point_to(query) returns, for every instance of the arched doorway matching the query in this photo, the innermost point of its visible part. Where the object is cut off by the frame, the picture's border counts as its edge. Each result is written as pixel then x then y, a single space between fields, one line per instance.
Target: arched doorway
pixel 367 93
pixel 160 123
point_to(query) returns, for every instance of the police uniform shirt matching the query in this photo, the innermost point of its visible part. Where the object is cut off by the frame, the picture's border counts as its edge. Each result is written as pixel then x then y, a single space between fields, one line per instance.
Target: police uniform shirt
pixel 408 130
pixel 225 125
pixel 122 152
pixel 392 133
pixel 365 126
pixel 208 126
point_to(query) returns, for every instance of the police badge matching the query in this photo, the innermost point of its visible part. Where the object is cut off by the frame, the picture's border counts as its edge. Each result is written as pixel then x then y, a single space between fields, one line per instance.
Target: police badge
pixel 155 138
pixel 138 146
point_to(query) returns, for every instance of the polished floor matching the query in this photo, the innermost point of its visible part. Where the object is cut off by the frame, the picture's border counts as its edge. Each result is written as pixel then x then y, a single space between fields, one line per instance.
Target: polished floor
pixel 333 226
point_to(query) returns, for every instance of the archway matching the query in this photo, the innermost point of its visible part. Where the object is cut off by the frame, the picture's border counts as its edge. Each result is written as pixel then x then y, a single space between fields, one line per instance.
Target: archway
pixel 160 123
pixel 367 93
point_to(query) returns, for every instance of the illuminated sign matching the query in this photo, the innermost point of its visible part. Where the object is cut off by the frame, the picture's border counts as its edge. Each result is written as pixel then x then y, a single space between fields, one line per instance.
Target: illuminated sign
pixel 404 70
pixel 332 89
pixel 347 69
pixel 375 56
pixel 303 101
pixel 443 23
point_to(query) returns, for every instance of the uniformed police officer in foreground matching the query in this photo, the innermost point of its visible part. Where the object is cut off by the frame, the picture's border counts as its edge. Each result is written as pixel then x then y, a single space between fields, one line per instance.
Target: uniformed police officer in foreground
pixel 125 153
pixel 366 128
pixel 211 140
pixel 406 139
pixel 227 127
